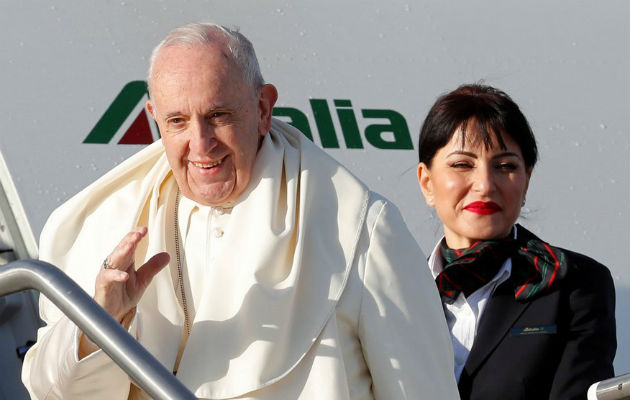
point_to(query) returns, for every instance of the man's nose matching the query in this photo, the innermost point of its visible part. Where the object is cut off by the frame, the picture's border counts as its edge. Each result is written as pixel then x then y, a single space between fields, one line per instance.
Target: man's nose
pixel 203 138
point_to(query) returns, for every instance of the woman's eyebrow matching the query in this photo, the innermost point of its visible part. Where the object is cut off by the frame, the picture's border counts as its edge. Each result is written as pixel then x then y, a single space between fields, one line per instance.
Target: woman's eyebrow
pixel 462 153
pixel 506 154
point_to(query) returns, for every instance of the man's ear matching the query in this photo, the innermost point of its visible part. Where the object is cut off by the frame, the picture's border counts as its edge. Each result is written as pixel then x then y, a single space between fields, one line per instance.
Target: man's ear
pixel 266 100
pixel 424 180
pixel 149 106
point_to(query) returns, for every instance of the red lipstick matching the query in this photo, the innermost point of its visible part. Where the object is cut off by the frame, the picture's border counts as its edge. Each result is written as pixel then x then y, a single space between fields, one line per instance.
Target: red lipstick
pixel 483 207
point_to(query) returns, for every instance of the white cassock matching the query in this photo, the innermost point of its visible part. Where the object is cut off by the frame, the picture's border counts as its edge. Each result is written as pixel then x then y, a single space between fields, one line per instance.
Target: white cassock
pixel 313 289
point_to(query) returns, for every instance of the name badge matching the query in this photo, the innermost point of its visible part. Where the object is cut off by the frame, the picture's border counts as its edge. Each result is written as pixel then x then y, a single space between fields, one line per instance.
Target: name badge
pixel 534 330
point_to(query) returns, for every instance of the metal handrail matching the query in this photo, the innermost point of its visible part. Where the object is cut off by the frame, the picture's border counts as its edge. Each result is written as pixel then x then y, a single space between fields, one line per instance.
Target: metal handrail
pixel 141 366
pixel 617 388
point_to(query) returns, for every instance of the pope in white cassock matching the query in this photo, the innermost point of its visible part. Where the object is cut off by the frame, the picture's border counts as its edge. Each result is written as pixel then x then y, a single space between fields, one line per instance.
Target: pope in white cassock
pixel 251 263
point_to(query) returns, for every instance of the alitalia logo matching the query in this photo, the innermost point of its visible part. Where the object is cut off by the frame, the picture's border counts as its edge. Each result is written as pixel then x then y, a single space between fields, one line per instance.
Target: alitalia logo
pixel 126 111
pixel 126 122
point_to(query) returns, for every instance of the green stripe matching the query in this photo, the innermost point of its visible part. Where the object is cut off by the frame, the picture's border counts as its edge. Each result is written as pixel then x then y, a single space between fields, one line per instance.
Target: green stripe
pixel 536 288
pixel 117 113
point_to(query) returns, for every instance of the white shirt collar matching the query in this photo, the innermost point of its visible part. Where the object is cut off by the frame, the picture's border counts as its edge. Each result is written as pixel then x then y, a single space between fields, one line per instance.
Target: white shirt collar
pixel 188 207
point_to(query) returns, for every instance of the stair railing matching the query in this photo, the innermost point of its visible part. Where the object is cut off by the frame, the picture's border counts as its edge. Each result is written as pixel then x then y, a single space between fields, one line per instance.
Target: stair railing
pixel 141 366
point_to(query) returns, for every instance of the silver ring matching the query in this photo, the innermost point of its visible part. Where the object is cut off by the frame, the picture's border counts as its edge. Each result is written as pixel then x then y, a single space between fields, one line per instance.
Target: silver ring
pixel 106 264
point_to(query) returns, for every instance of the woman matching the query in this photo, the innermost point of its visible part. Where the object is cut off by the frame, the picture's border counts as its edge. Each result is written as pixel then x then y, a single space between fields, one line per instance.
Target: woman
pixel 527 320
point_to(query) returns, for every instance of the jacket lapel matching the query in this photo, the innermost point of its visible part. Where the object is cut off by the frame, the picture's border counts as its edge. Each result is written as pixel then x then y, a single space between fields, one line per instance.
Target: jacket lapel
pixel 500 315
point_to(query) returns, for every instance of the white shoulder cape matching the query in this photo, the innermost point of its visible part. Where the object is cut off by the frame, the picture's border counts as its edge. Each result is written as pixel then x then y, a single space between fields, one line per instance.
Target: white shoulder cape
pixel 291 240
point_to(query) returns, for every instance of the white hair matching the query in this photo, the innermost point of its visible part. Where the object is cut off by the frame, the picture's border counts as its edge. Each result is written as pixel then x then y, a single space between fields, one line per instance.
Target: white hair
pixel 239 47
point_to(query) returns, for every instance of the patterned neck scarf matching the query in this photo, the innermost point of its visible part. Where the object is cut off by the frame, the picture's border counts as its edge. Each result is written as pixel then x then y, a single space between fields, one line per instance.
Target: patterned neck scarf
pixel 536 266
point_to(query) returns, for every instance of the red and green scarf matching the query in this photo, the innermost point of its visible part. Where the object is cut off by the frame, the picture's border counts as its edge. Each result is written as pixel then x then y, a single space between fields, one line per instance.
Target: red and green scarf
pixel 467 270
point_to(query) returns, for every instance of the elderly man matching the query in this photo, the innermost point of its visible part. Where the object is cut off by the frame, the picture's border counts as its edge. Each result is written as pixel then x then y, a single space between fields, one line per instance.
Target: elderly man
pixel 287 278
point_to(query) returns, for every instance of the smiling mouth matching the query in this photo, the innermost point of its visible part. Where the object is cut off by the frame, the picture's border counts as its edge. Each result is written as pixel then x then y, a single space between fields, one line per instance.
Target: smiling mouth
pixel 206 166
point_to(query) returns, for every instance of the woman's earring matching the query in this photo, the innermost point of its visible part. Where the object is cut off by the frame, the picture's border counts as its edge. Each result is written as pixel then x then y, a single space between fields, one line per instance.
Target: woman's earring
pixel 523 203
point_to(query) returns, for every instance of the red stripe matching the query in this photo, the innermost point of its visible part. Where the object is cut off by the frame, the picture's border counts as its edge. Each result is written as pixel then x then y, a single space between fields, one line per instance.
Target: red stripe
pixel 518 293
pixel 471 272
pixel 458 287
pixel 553 275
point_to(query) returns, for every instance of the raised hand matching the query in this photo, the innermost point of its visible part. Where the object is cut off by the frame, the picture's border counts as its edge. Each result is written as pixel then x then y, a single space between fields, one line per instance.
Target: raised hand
pixel 119 286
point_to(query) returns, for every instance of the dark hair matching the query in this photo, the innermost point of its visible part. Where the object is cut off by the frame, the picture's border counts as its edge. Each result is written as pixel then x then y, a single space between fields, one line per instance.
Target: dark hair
pixel 493 114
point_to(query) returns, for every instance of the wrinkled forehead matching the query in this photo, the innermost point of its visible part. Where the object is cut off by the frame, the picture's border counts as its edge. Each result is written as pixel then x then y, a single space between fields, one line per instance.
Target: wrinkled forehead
pixel 190 61
pixel 190 57
pixel 186 81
